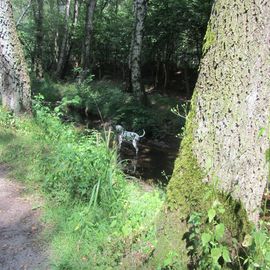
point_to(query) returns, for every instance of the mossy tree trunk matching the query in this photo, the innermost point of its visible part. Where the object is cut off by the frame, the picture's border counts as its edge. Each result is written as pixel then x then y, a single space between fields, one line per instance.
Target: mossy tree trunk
pixel 229 107
pixel 14 80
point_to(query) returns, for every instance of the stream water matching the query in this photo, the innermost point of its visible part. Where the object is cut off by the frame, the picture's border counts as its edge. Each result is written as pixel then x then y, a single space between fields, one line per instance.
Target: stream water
pixel 154 163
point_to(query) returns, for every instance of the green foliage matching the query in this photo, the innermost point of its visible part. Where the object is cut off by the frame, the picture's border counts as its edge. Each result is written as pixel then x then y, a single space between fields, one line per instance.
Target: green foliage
pixel 174 31
pixel 91 238
pixel 96 218
pixel 211 246
pixel 257 246
pixel 111 103
pixel 81 167
pixel 107 102
pixel 178 34
pixel 6 119
pixel 170 262
pixel 207 247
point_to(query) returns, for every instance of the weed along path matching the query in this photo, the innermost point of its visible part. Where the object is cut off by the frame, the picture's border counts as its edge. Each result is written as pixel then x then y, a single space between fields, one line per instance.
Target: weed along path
pixel 20 243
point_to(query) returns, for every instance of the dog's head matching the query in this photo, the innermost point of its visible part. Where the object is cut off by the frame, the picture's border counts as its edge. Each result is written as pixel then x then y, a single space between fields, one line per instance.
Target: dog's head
pixel 119 128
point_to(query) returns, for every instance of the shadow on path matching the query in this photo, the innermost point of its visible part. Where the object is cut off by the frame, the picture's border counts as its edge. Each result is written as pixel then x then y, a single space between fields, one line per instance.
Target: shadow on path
pixel 21 247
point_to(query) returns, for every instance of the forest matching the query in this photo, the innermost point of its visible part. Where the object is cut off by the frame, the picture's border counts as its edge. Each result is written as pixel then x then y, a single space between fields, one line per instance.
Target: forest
pixel 134 134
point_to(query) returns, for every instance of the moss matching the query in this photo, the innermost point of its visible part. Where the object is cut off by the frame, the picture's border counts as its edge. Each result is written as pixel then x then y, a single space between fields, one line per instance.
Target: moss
pixel 235 217
pixel 170 251
pixel 186 189
pixel 209 39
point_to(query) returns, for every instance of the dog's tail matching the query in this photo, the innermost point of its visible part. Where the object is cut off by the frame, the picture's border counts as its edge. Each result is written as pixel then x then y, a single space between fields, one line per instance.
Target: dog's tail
pixel 142 134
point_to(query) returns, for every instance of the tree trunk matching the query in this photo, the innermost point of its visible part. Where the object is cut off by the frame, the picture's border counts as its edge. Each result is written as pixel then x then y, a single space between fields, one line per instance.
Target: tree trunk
pixel 14 80
pixel 65 41
pixel 165 72
pixel 38 17
pixel 136 48
pixel 157 74
pixel 90 9
pixel 229 107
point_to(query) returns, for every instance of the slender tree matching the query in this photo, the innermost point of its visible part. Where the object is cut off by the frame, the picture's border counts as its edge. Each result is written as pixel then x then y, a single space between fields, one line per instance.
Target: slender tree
pixel 65 42
pixel 136 49
pixel 38 10
pixel 86 61
pixel 230 106
pixel 14 79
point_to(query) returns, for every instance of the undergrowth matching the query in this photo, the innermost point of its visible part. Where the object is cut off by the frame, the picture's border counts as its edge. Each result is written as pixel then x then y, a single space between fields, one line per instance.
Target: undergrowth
pixel 96 218
pixel 107 102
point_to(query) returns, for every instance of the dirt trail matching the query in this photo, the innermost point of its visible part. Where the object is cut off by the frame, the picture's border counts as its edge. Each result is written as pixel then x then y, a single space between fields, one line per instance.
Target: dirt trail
pixel 20 245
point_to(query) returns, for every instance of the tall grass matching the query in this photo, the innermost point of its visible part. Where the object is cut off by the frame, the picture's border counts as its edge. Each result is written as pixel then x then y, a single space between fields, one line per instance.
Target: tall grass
pixel 96 216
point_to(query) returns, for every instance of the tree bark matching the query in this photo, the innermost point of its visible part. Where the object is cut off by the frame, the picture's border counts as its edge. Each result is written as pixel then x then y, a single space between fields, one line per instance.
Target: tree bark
pixel 90 9
pixel 38 54
pixel 14 79
pixel 136 49
pixel 65 42
pixel 229 107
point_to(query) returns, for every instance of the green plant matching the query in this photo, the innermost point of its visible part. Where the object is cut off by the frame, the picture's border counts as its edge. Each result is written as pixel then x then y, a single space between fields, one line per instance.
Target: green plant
pixel 96 218
pixel 170 262
pixel 257 246
pixel 207 246
pixel 6 119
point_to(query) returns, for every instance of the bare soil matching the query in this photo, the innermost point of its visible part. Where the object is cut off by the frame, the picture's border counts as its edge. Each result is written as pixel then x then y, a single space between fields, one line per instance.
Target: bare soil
pixel 21 245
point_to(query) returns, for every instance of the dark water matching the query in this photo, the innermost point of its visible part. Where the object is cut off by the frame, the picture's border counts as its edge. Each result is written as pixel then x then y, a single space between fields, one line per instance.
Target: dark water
pixel 154 163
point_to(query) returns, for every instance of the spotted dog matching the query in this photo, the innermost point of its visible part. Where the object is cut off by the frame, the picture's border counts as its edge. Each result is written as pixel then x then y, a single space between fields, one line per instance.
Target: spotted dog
pixel 128 136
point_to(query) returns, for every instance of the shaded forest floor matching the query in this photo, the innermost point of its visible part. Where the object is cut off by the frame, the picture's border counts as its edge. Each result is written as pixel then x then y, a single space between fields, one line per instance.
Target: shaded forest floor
pixel 21 246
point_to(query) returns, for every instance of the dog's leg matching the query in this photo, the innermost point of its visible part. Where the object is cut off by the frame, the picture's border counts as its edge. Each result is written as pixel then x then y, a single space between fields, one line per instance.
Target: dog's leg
pixel 120 140
pixel 134 163
pixel 134 143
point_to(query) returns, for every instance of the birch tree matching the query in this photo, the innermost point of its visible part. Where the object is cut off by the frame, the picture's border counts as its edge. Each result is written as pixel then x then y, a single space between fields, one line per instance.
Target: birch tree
pixel 86 61
pixel 38 10
pixel 14 79
pixel 136 49
pixel 65 42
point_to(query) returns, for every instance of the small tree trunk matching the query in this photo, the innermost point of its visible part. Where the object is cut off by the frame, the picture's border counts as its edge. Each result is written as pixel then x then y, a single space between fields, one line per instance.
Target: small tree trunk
pixel 165 72
pixel 157 74
pixel 90 9
pixel 64 45
pixel 14 79
pixel 24 13
pixel 38 17
pixel 136 48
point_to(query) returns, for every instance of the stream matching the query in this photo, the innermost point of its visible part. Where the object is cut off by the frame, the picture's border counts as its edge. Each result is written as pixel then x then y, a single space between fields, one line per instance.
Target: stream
pixel 155 160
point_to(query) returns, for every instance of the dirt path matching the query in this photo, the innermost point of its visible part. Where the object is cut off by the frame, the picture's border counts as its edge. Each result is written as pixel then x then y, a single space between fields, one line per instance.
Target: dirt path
pixel 20 243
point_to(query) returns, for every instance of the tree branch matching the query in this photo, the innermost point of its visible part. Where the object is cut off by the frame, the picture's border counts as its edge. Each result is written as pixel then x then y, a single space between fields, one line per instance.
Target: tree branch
pixel 24 12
